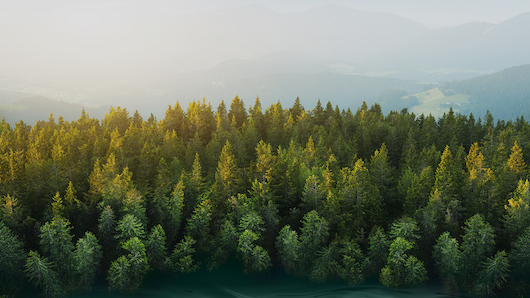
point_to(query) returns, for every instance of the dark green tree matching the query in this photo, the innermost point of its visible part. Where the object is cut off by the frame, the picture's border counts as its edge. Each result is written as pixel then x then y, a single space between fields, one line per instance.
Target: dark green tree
pixel 41 274
pixel 155 246
pixel 126 273
pixel 87 257
pixel 12 257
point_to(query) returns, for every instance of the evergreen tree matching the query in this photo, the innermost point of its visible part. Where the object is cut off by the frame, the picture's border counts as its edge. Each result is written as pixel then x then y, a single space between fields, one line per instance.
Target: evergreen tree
pixel 12 258
pixel 182 256
pixel 156 248
pixel 477 246
pixel 87 257
pixel 517 216
pixel 41 274
pixel 126 273
pixel 360 200
pixel 447 257
pixel 57 246
pixel 129 227
pixel 313 238
pixel 226 178
pixel 288 246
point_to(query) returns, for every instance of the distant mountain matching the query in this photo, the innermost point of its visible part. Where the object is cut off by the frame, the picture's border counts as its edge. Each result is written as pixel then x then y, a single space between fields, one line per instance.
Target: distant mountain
pixel 341 89
pixel 32 109
pixel 153 60
pixel 280 76
pixel 470 49
pixel 9 97
pixel 506 94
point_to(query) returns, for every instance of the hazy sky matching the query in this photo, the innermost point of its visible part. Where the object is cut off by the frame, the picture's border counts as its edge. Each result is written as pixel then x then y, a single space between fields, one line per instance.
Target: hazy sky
pixel 431 13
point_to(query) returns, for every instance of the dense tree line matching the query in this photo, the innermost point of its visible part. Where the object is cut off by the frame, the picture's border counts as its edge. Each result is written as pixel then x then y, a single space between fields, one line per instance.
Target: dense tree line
pixel 323 193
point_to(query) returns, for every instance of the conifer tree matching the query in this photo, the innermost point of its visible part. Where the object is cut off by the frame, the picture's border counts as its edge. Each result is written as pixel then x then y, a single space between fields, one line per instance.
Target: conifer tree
pixel 182 256
pixel 517 216
pixel 56 244
pixel 480 185
pixel 156 248
pixel 41 274
pixel 383 177
pixel 444 207
pixel 360 200
pixel 12 258
pixel 87 257
pixel 226 178
pixel 126 273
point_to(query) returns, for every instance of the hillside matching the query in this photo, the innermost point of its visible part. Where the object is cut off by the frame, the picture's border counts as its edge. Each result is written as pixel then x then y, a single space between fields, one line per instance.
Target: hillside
pixel 505 93
pixel 32 109
pixel 463 51
pixel 344 90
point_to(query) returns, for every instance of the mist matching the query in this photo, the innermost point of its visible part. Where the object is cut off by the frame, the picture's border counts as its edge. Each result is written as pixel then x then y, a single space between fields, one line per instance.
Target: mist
pixel 149 54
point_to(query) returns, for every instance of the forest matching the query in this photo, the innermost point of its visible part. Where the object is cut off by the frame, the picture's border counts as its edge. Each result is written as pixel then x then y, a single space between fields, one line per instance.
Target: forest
pixel 322 193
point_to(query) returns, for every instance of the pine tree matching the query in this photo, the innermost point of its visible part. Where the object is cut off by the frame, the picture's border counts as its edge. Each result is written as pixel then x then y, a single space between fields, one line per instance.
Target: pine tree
pixel 12 258
pixel 383 177
pixel 360 200
pixel 226 177
pixel 517 216
pixel 87 256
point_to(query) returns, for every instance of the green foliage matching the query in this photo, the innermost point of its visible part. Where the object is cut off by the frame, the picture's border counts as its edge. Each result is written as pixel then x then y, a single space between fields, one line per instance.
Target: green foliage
pixel 107 225
pixel 87 256
pixel 314 195
pixel 377 250
pixel 174 205
pixel 405 228
pixel 517 216
pixel 57 246
pixel 58 208
pixel 476 246
pixel 326 264
pixel 198 226
pixel 447 257
pixel 519 256
pixel 288 247
pixel 417 194
pixel 255 258
pixel 353 263
pixel 129 227
pixel 156 248
pixel 126 273
pixel 252 221
pixel 226 243
pixel 133 204
pixel 12 258
pixel 41 274
pixel 493 275
pixel 326 176
pixel 182 256
pixel 315 231
pixel 401 269
pixel 11 211
pixel 118 275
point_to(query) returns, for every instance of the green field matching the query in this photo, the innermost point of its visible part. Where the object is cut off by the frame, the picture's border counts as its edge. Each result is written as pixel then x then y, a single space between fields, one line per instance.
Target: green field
pixel 435 103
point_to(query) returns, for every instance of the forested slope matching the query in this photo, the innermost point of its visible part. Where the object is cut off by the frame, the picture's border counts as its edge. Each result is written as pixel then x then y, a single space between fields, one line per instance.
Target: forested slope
pixel 321 192
pixel 506 92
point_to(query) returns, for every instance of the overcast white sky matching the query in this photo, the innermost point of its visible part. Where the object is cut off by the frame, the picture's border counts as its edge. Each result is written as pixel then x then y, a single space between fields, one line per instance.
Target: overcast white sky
pixel 431 13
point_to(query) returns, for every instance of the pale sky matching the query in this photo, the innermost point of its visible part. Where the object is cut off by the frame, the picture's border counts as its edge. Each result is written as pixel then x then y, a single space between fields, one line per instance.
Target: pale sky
pixel 431 13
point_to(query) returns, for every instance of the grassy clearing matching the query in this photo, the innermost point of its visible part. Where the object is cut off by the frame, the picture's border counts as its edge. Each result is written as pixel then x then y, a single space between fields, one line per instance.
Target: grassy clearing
pixel 435 103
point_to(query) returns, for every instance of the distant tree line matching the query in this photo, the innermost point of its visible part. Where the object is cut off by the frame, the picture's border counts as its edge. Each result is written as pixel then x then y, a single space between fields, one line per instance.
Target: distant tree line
pixel 323 193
